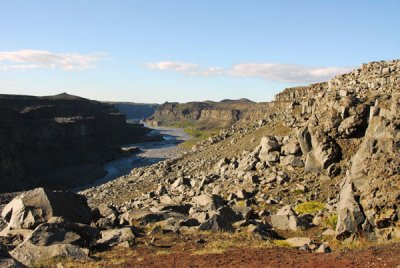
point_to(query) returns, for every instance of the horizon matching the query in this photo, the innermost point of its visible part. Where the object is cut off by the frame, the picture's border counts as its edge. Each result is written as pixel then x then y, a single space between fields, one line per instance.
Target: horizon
pixel 158 52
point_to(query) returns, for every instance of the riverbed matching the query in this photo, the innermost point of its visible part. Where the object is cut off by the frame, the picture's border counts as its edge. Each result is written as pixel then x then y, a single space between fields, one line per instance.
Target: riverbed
pixel 150 153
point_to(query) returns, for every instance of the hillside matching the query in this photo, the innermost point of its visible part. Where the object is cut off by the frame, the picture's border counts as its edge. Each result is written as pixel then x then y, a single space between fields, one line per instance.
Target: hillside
pixel 58 141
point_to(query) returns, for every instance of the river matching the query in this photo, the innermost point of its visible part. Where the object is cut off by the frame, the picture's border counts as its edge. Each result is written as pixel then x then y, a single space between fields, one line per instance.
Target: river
pixel 151 152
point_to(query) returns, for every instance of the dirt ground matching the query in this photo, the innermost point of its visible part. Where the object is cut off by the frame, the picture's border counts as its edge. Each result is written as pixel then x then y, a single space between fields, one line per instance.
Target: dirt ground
pixel 247 254
pixel 274 257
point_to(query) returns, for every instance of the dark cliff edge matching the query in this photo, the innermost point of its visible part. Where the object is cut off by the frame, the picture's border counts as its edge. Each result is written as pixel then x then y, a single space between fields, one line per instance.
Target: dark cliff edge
pixel 136 110
pixel 59 141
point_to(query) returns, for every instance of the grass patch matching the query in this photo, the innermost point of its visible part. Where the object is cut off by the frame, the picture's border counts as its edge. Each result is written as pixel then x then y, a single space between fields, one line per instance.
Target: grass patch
pixel 218 243
pixel 207 251
pixel 241 203
pixel 309 207
pixel 282 243
pixel 196 130
pixel 331 221
pixel 298 191
pixel 164 252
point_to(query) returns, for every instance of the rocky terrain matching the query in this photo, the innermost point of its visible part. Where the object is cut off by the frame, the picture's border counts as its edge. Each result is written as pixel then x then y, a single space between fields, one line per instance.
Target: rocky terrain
pixel 318 171
pixel 58 141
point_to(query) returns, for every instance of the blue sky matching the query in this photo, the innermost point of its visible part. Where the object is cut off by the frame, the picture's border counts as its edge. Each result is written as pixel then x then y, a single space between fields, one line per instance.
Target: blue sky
pixel 156 51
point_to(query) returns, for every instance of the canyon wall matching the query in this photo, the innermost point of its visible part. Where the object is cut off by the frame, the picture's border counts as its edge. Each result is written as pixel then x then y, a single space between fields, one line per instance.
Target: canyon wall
pixel 58 141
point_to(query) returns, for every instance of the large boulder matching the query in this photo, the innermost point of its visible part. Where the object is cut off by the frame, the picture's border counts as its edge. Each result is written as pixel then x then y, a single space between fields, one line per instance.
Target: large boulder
pixel 29 254
pixel 56 238
pixel 34 207
pixel 350 215
pixel 320 150
pixel 270 148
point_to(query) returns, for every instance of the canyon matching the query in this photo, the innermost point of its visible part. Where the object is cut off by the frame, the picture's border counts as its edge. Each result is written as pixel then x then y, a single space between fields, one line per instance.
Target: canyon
pixel 312 172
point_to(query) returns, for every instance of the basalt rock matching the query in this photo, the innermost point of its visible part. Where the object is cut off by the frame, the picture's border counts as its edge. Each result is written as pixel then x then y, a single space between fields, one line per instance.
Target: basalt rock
pixel 34 207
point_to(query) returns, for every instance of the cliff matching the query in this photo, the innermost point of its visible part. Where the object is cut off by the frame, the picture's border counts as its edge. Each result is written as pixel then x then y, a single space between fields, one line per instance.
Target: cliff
pixel 58 141
pixel 223 113
pixel 136 110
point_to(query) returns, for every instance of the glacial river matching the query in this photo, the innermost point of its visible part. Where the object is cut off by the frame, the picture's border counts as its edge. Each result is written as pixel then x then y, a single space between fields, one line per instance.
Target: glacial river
pixel 151 152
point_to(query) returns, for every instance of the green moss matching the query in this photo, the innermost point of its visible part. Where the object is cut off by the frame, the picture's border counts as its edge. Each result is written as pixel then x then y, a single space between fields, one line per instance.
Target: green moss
pixel 298 191
pixel 331 221
pixel 309 207
pixel 282 243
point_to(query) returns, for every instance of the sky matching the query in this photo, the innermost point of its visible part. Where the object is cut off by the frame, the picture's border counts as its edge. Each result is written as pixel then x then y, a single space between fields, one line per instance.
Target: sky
pixel 186 50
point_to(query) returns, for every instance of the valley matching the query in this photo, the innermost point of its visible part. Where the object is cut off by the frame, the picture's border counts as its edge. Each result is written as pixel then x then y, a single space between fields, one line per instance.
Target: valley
pixel 311 178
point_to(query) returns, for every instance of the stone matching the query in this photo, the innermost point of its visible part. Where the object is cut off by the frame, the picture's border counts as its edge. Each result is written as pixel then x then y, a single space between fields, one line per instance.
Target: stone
pixel 323 248
pixel 142 216
pixel 329 232
pixel 34 207
pixel 261 231
pixel 350 215
pixel 287 219
pixel 179 182
pixel 216 223
pixel 114 237
pixel 270 149
pixel 204 200
pixel 351 126
pixel 304 138
pixel 291 148
pixel 161 190
pixel 105 223
pixel 60 231
pixel 183 209
pixel 298 241
pixel 28 254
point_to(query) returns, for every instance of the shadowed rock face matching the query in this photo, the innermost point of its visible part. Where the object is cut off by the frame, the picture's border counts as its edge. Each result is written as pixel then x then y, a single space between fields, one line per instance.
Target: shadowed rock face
pixel 58 141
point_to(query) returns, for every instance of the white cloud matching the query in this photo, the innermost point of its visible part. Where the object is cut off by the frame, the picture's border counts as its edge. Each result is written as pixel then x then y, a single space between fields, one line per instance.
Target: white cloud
pixel 288 73
pixel 37 59
pixel 189 69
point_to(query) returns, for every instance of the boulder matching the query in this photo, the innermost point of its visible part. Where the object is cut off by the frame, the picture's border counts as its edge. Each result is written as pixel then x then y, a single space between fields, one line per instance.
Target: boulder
pixel 270 148
pixel 183 209
pixel 298 241
pixel 141 216
pixel 351 125
pixel 350 215
pixel 60 231
pixel 114 237
pixel 30 254
pixel 6 260
pixel 34 207
pixel 217 223
pixel 291 148
pixel 304 138
pixel 212 201
pixel 56 238
pixel 287 219
pixel 261 231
